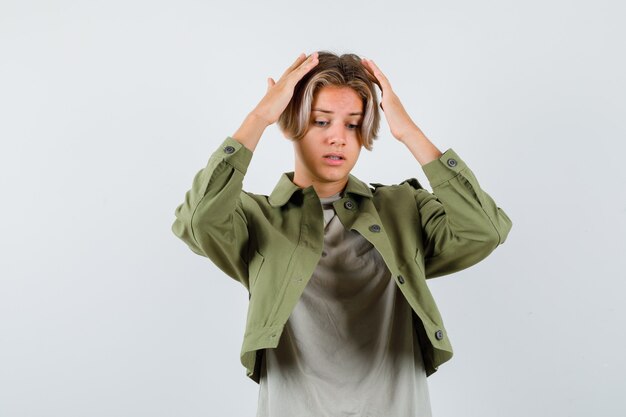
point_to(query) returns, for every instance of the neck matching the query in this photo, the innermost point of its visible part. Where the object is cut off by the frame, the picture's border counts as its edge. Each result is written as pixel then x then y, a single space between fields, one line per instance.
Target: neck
pixel 322 189
pixel 327 191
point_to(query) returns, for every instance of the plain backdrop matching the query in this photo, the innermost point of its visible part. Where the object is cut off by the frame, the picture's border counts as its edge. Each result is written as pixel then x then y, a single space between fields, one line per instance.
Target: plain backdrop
pixel 109 108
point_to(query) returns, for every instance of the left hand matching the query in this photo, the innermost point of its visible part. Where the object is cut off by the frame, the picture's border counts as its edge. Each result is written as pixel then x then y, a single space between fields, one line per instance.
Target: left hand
pixel 398 119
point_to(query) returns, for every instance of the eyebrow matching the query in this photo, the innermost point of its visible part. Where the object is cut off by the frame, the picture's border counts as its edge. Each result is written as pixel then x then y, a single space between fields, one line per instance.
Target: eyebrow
pixel 331 112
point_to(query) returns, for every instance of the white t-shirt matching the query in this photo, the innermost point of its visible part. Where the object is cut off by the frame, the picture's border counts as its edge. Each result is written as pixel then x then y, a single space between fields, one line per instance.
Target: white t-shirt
pixel 348 348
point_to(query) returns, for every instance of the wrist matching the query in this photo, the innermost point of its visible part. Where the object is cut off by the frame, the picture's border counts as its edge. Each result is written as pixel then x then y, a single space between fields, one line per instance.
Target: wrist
pixel 411 135
pixel 256 119
pixel 250 131
pixel 421 147
pixel 255 122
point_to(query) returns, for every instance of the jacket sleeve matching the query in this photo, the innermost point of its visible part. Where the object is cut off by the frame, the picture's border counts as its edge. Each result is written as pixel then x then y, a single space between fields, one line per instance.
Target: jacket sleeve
pixel 211 220
pixel 461 223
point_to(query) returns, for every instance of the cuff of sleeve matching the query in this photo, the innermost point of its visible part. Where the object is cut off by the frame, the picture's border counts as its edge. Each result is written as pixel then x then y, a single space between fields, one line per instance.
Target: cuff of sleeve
pixel 234 153
pixel 444 168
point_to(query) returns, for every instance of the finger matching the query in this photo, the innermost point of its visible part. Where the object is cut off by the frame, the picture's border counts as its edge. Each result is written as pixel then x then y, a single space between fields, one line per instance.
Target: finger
pixel 309 63
pixel 305 67
pixel 270 83
pixel 370 72
pixel 301 58
pixel 378 74
pixel 367 67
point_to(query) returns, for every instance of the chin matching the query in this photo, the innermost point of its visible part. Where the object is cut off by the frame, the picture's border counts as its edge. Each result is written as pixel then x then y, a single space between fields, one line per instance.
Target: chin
pixel 336 177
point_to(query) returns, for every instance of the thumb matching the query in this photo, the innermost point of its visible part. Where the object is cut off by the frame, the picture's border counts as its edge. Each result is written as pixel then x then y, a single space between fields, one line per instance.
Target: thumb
pixel 270 83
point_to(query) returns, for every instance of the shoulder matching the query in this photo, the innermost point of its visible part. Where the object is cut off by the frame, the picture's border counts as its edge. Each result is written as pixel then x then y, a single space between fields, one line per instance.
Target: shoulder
pixel 253 198
pixel 397 196
pixel 411 183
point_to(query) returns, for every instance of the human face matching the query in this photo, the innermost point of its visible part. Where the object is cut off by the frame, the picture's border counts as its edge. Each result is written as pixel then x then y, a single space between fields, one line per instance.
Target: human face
pixel 336 116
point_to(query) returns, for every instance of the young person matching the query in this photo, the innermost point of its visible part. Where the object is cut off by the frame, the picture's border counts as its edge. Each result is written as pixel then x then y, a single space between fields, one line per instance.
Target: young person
pixel 340 318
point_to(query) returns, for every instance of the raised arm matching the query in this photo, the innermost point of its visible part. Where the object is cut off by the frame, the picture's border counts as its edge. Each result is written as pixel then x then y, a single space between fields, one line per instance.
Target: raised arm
pixel 212 219
pixel 461 223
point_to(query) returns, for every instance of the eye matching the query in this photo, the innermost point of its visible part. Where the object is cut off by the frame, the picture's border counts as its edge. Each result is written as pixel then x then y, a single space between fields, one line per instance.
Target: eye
pixel 353 126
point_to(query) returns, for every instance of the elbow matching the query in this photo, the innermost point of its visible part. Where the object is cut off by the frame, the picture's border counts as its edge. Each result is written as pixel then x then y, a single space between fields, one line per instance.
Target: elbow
pixel 183 231
pixel 465 247
pixel 495 229
pixel 492 237
pixel 478 245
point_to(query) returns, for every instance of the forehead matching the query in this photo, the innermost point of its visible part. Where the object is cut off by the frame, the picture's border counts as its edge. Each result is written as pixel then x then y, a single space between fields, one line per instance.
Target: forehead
pixel 338 99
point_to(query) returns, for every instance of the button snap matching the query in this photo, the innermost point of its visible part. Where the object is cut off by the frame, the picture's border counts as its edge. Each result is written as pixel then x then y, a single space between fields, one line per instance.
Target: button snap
pixel 452 162
pixel 400 279
pixel 229 149
pixel 349 205
pixel 375 228
pixel 439 335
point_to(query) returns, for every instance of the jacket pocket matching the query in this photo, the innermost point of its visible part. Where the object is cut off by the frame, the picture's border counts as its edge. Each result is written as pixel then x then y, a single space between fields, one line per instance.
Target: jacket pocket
pixel 254 269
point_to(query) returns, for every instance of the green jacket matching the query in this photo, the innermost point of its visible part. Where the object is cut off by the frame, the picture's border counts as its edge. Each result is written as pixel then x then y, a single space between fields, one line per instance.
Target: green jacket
pixel 271 244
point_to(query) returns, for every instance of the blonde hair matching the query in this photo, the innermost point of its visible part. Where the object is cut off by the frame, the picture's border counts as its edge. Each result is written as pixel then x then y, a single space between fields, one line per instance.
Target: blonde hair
pixel 332 70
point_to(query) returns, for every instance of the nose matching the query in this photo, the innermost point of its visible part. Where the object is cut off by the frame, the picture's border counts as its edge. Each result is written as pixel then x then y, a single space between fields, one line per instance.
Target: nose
pixel 337 135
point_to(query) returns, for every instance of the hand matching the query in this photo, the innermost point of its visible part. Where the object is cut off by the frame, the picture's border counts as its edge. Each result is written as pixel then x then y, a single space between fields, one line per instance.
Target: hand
pixel 279 93
pixel 400 123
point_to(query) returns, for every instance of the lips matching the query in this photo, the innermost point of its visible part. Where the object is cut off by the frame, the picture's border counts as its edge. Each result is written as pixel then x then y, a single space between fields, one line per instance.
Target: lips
pixel 334 159
pixel 334 156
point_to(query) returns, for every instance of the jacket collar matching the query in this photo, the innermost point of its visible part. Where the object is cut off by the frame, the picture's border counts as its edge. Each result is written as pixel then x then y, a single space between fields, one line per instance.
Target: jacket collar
pixel 285 188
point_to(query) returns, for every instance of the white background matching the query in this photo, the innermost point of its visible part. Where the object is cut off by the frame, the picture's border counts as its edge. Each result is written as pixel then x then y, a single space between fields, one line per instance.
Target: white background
pixel 109 108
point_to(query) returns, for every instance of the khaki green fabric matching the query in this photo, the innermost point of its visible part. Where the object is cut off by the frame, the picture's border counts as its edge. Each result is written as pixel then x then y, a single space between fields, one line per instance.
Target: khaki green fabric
pixel 271 244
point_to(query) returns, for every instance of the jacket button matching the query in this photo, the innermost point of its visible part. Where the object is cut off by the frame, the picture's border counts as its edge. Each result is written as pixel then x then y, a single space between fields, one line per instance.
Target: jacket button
pixel 452 162
pixel 349 205
pixel 375 228
pixel 439 335
pixel 400 279
pixel 229 149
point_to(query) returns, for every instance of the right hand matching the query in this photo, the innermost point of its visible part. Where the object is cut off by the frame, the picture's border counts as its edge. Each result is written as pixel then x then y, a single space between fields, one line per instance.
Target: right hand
pixel 279 93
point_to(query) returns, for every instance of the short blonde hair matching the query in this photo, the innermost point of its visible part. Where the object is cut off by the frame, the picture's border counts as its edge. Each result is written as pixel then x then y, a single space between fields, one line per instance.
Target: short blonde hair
pixel 332 70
